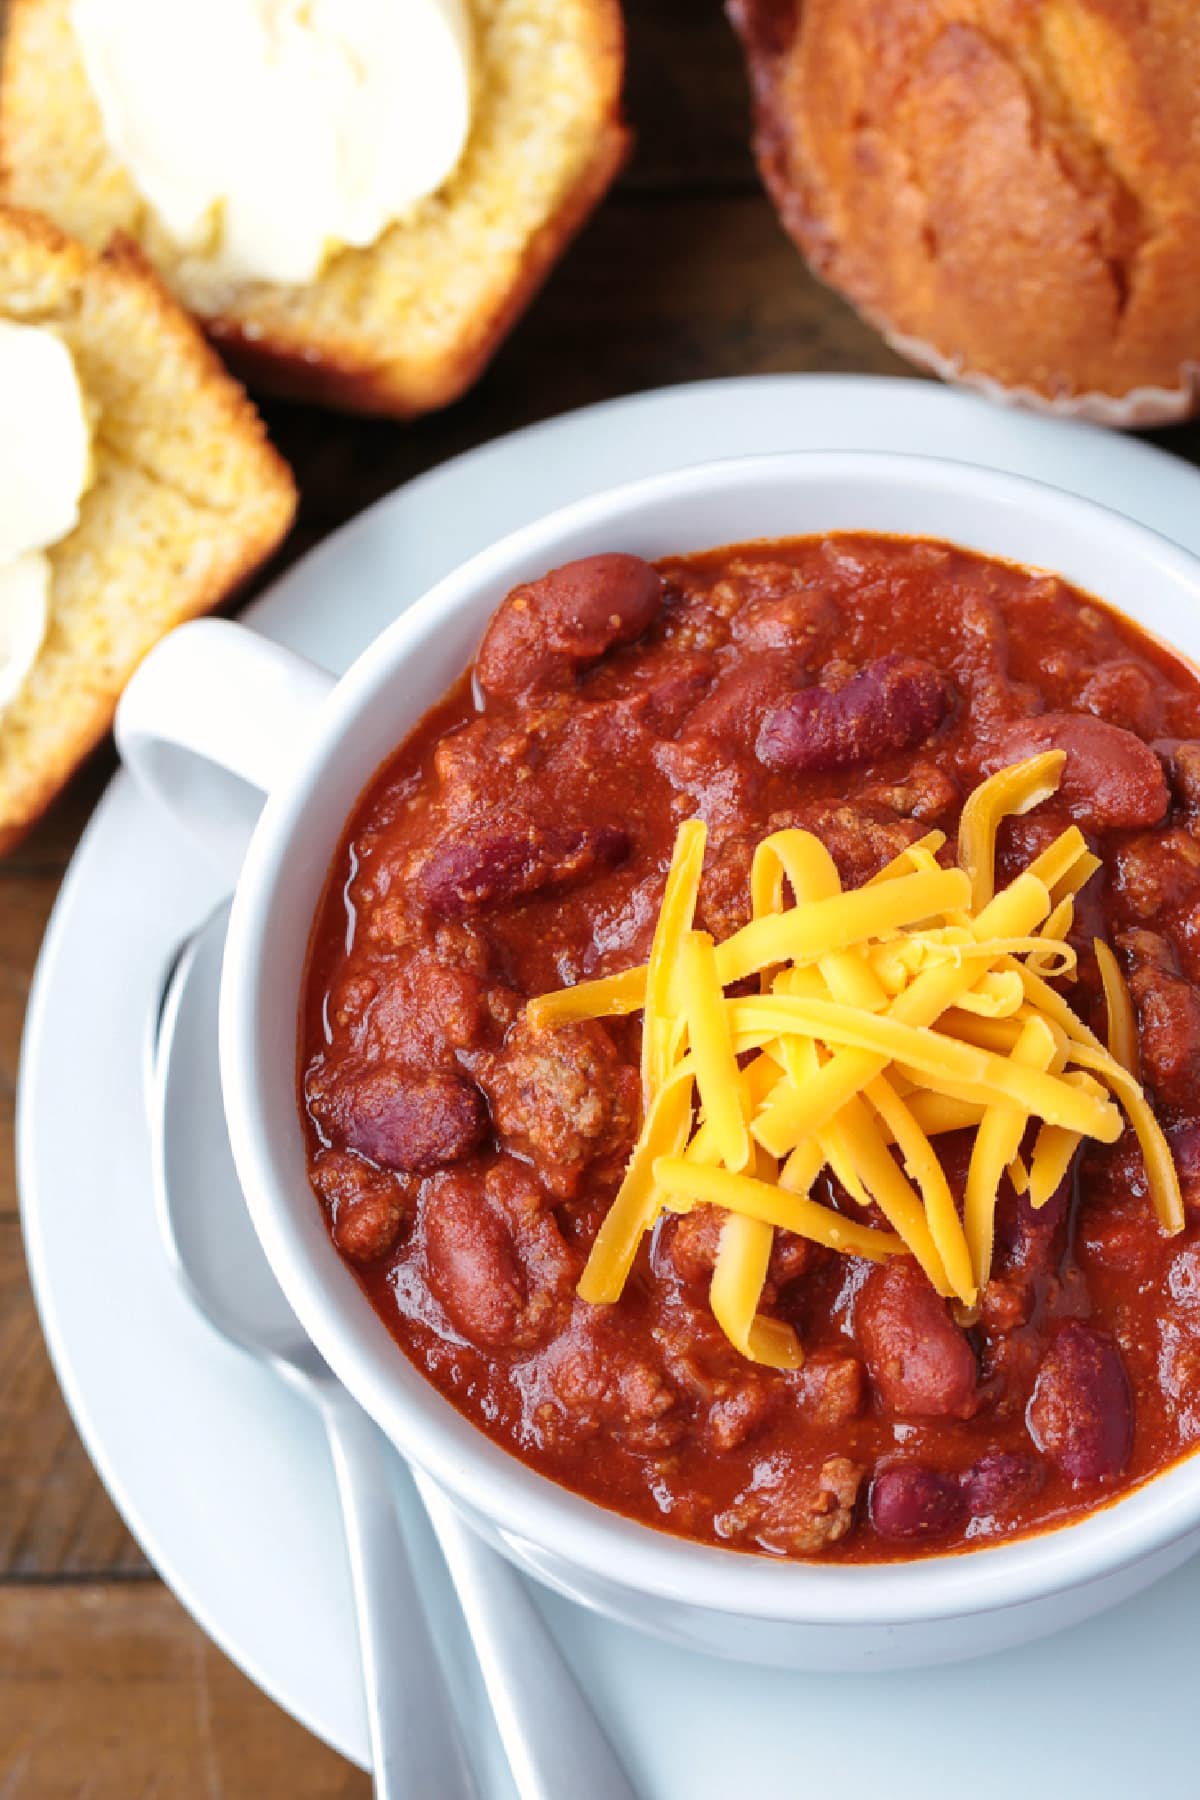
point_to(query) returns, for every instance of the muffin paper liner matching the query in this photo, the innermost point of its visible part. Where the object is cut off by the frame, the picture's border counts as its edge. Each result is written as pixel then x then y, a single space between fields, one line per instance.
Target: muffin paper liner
pixel 1134 411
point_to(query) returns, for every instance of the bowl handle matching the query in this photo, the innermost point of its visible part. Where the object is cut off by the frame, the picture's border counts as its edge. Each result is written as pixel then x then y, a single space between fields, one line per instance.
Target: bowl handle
pixel 211 720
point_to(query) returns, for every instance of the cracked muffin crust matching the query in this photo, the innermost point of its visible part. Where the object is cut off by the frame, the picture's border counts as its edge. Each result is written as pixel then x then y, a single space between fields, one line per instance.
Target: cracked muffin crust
pixel 1009 189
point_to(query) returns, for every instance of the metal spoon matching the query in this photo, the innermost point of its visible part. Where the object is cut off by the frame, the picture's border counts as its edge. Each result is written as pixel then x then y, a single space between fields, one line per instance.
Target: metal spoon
pixel 548 1730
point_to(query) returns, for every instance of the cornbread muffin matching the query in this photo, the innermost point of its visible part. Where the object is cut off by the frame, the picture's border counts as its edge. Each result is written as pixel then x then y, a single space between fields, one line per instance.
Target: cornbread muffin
pixel 1008 189
pixel 185 497
pixel 408 323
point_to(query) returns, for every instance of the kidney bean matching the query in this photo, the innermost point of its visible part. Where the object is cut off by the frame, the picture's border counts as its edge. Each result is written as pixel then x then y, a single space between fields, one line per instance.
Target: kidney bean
pixel 545 630
pixel 469 873
pixel 919 1361
pixel 1081 1411
pixel 471 1260
pixel 495 1257
pixel 891 704
pixel 997 1481
pixel 409 1120
pixel 1111 781
pixel 909 1501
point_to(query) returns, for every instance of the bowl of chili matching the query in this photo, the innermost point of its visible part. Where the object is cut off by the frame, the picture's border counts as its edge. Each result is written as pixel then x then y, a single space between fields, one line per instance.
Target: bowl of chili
pixel 578 1086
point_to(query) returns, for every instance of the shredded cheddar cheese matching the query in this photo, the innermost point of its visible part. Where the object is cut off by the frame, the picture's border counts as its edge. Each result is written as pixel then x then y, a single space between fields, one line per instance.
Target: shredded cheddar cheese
pixel 674 922
pixel 881 1018
pixel 998 1141
pixel 1014 790
pixel 710 1034
pixel 1122 1027
pixel 737 1283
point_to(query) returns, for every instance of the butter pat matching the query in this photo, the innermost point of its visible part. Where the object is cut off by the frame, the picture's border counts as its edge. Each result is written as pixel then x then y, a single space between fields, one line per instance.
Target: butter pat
pixel 267 134
pixel 45 468
pixel 24 616
pixel 45 440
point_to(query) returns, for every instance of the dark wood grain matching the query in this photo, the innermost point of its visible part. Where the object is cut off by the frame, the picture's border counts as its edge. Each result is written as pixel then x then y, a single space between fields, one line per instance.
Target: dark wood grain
pixel 111 1692
pixel 25 902
pixel 106 1688
pixel 686 95
pixel 56 1520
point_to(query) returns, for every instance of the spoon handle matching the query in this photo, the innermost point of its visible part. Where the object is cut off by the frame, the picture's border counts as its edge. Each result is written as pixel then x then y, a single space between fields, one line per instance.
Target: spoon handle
pixel 416 1750
pixel 555 1747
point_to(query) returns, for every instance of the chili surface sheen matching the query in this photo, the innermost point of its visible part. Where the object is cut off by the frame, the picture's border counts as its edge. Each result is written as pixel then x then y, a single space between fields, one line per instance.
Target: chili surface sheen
pixel 518 842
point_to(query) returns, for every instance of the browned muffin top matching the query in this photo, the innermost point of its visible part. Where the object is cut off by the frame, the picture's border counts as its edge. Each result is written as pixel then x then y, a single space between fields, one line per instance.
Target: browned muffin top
pixel 1014 184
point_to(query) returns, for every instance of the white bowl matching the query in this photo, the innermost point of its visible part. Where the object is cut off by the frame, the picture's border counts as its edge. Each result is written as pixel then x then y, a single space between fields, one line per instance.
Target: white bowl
pixel 213 690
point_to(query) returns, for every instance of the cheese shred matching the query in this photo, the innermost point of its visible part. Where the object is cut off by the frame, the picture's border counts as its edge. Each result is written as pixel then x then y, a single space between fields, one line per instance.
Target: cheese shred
pixel 882 1018
pixel 1122 1026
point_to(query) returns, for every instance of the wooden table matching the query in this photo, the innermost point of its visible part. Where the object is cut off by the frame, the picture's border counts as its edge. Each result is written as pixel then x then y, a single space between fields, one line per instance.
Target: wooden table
pixel 107 1688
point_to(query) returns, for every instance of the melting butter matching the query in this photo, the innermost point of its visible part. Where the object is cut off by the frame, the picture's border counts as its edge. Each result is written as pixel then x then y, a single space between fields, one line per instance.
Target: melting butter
pixel 267 134
pixel 45 469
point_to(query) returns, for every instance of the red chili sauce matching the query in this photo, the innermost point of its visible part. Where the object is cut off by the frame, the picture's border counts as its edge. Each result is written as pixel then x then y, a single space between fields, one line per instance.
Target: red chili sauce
pixel 518 842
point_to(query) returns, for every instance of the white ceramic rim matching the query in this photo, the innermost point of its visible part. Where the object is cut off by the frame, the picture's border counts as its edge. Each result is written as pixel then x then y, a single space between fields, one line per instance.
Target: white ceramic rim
pixel 521 1503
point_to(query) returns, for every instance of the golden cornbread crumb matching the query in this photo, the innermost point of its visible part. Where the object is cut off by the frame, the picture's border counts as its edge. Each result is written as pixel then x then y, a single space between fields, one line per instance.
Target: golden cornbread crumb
pixel 1010 190
pixel 408 323
pixel 188 496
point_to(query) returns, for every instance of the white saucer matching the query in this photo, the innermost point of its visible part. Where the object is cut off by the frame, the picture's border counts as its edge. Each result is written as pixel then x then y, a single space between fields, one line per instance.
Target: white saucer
pixel 217 1468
